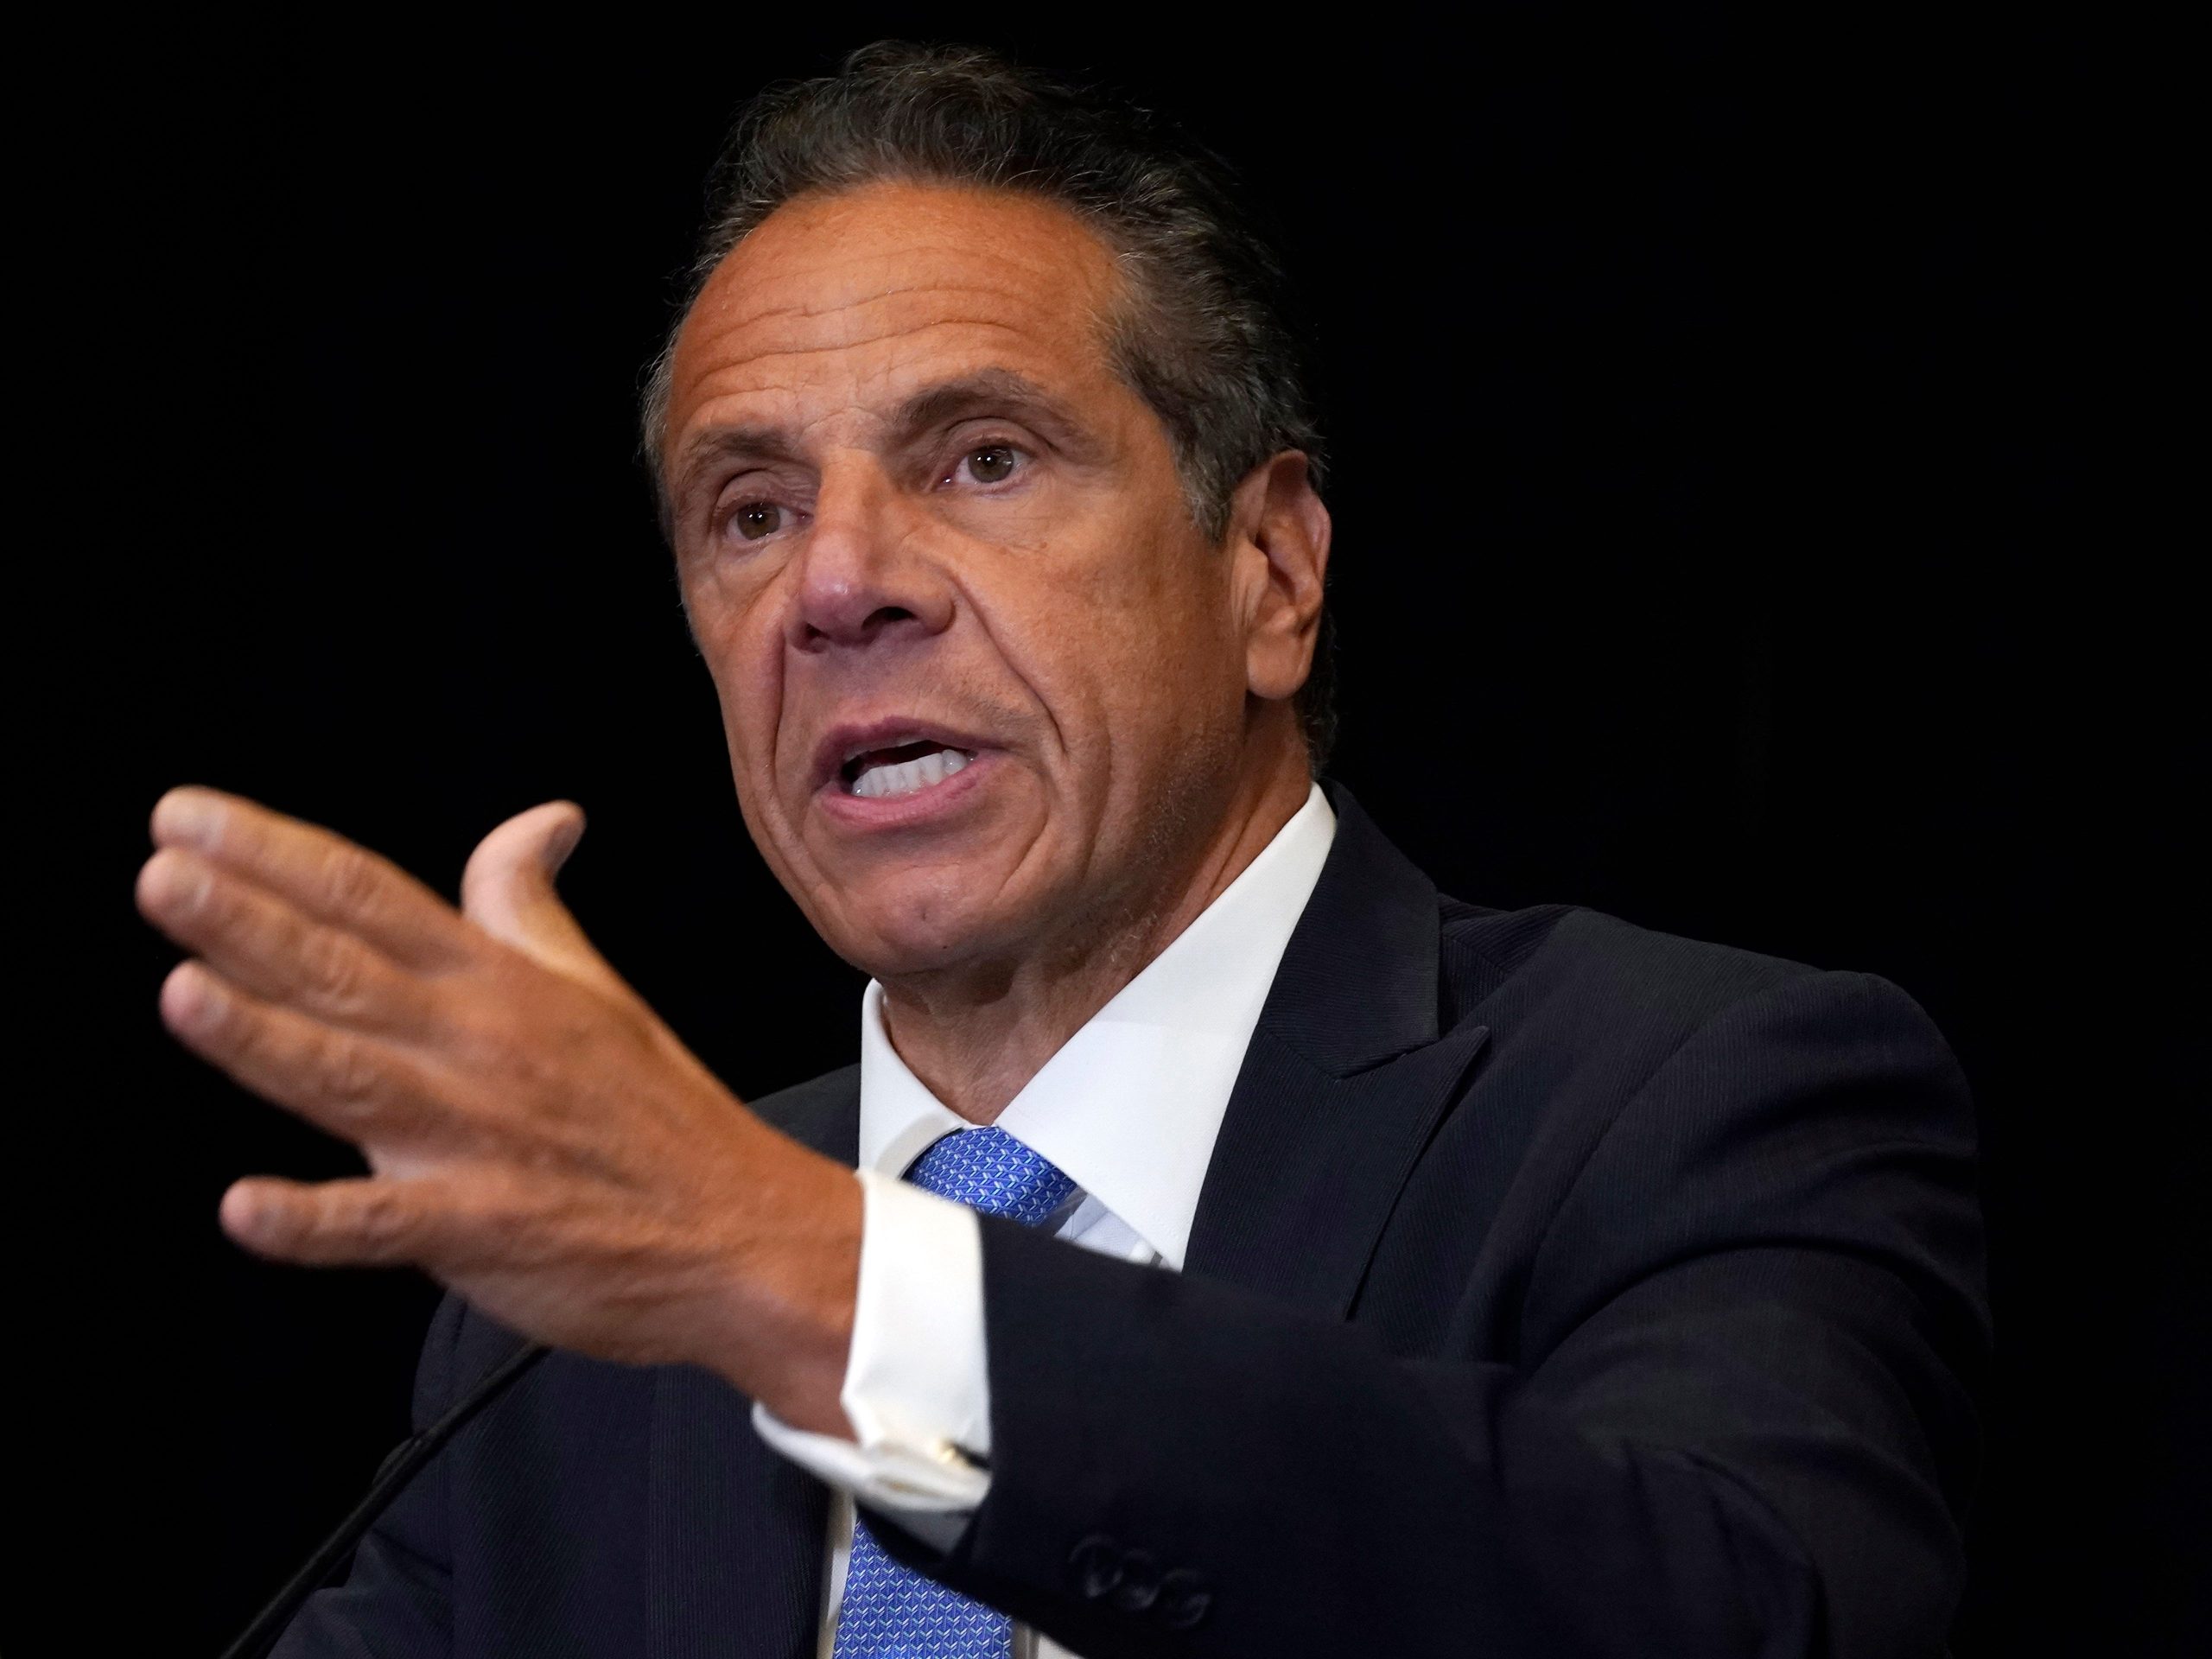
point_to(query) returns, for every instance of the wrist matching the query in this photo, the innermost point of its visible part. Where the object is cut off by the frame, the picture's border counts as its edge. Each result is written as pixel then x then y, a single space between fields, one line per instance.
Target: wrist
pixel 792 1324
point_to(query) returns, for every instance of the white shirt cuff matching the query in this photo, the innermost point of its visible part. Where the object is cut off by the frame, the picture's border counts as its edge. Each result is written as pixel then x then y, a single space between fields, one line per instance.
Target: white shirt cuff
pixel 917 1387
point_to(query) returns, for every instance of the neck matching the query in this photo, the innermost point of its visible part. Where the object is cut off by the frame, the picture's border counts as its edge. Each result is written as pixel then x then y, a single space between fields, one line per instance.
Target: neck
pixel 974 1039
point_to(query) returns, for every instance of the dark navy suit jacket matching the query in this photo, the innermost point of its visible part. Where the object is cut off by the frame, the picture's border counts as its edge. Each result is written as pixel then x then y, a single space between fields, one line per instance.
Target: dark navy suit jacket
pixel 1557 1289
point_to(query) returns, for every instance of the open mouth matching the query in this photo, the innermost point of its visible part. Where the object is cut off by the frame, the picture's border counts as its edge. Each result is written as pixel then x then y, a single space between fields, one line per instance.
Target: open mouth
pixel 903 769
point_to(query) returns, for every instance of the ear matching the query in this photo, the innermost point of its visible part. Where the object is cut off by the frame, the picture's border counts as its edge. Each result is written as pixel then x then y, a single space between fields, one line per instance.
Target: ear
pixel 1278 540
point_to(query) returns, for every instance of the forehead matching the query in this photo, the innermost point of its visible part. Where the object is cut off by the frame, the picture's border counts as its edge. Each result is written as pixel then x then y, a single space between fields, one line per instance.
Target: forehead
pixel 866 295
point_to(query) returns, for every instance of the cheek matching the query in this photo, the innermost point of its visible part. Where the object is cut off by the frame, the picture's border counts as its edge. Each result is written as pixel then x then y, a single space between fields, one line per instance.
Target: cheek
pixel 1167 621
pixel 742 649
pixel 1139 651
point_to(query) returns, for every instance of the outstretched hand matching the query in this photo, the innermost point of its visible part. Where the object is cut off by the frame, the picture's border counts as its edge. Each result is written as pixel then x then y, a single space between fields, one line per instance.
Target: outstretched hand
pixel 537 1138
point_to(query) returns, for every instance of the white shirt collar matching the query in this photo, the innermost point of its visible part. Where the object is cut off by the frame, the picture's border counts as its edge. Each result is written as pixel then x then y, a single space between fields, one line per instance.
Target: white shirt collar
pixel 1130 1105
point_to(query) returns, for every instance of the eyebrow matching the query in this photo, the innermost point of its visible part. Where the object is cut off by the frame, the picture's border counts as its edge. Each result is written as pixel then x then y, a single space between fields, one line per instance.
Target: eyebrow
pixel 721 443
pixel 986 391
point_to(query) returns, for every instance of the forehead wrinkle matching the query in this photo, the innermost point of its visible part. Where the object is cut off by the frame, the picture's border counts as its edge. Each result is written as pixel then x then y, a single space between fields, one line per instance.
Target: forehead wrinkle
pixel 813 304
pixel 784 387
pixel 700 389
pixel 718 330
pixel 777 352
pixel 1034 283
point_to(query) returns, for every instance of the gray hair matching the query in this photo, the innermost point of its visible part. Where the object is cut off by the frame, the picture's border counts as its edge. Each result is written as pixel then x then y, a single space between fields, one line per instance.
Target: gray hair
pixel 1207 335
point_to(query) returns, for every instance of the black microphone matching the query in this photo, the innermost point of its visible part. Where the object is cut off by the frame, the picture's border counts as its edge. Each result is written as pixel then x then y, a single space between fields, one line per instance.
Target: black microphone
pixel 402 1465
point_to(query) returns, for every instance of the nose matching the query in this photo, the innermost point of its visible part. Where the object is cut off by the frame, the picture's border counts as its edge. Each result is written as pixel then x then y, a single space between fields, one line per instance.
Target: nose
pixel 863 576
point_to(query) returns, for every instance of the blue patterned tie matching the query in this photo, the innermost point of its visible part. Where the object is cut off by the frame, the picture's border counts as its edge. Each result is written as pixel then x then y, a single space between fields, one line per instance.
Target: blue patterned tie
pixel 890 1612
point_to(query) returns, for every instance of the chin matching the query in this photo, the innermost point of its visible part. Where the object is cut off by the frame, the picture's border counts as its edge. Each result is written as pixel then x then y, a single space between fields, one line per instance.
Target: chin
pixel 921 927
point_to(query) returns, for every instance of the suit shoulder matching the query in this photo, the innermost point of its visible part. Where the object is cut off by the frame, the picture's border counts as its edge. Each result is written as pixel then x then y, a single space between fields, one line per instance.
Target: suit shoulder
pixel 1568 965
pixel 1582 1005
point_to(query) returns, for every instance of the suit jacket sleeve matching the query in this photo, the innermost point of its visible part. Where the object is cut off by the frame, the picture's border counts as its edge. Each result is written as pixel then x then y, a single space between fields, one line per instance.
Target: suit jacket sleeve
pixel 1737 1420
pixel 396 1602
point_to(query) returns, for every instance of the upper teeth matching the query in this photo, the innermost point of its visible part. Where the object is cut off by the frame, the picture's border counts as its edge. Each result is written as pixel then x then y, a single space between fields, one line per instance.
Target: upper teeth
pixel 905 777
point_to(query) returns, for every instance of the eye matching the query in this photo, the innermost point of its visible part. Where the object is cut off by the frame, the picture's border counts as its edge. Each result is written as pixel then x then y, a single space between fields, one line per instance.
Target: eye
pixel 757 519
pixel 989 463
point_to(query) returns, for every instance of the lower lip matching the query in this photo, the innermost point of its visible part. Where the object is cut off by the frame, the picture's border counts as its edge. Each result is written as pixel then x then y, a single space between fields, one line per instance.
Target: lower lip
pixel 922 807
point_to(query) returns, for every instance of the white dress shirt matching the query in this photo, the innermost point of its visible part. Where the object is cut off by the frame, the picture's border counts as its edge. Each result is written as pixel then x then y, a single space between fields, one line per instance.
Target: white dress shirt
pixel 1128 1109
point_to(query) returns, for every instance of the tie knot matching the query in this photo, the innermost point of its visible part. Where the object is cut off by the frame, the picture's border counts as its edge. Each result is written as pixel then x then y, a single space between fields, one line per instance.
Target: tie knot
pixel 989 1170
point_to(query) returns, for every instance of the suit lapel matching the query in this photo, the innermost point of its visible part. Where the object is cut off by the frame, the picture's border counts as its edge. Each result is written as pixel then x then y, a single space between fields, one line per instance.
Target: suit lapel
pixel 738 1532
pixel 1346 1080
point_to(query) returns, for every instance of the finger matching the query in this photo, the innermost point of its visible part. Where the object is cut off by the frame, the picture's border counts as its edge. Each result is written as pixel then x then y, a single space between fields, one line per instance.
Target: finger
pixel 370 1221
pixel 507 890
pixel 355 1087
pixel 267 945
pixel 331 878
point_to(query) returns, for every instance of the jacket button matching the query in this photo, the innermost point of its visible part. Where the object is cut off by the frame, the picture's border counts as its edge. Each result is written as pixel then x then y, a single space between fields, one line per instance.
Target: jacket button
pixel 1097 1564
pixel 1140 1585
pixel 1183 1600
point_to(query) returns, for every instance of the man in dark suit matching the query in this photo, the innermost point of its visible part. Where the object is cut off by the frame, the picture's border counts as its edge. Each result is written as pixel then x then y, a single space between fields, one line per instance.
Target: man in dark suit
pixel 1226 1243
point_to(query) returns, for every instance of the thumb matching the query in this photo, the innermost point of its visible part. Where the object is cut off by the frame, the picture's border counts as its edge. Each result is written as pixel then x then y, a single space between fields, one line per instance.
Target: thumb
pixel 507 890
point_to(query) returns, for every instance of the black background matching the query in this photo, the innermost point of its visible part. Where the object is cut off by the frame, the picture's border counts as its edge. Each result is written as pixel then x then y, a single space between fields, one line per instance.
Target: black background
pixel 1729 535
